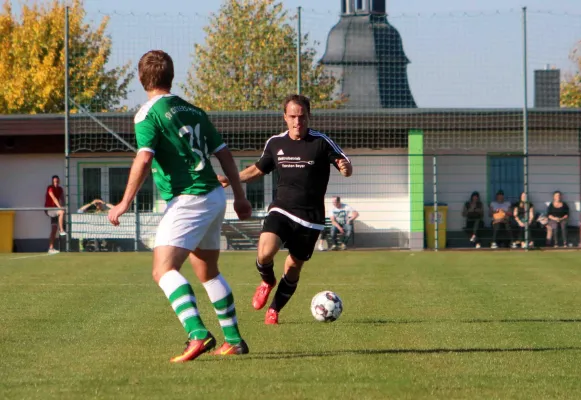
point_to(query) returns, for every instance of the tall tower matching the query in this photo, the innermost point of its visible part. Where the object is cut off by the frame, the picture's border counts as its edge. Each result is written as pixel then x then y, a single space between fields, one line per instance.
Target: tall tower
pixel 366 53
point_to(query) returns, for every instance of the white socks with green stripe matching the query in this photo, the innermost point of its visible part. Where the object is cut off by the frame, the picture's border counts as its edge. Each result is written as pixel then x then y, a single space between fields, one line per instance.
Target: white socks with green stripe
pixel 221 297
pixel 181 296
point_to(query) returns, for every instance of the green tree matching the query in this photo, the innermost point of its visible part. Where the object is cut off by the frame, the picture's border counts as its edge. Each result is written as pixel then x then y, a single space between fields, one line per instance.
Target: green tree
pixel 32 61
pixel 248 61
pixel 571 85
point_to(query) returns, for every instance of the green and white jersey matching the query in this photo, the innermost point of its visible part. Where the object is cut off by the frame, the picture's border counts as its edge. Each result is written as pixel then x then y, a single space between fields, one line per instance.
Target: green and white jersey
pixel 182 138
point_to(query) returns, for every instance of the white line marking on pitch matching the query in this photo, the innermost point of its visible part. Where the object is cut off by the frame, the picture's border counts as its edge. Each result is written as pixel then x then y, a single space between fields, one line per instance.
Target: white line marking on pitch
pixel 36 255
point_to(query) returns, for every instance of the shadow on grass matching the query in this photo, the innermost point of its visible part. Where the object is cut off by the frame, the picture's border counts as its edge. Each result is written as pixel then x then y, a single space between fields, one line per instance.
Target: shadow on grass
pixel 318 354
pixel 465 321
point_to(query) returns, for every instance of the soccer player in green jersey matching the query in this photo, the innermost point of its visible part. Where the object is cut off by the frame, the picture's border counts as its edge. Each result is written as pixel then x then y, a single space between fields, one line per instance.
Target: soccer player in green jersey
pixel 175 141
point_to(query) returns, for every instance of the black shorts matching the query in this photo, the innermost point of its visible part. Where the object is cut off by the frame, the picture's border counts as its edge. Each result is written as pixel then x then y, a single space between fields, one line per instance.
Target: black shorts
pixel 299 240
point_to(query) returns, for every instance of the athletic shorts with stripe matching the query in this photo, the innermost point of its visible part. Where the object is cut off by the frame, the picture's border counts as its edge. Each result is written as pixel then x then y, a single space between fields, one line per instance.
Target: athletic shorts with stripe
pixel 192 222
pixel 298 239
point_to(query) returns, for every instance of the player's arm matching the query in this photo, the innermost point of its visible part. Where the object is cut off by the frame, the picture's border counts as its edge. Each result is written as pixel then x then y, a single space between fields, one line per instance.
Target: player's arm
pixel 250 173
pixel 84 208
pixel 262 167
pixel 137 175
pixel 147 135
pixel 54 199
pixel 228 165
pixel 336 224
pixel 338 158
pixel 353 215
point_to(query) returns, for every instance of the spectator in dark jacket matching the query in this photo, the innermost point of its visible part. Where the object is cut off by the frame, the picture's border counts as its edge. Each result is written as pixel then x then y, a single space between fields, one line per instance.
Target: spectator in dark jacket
pixel 558 214
pixel 474 213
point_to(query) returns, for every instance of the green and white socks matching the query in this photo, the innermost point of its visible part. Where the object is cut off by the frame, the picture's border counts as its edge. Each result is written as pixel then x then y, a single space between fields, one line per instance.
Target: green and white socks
pixel 181 296
pixel 222 299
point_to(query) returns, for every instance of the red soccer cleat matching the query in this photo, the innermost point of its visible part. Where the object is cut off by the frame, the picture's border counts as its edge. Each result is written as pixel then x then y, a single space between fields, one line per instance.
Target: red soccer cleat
pixel 195 348
pixel 271 317
pixel 261 295
pixel 228 349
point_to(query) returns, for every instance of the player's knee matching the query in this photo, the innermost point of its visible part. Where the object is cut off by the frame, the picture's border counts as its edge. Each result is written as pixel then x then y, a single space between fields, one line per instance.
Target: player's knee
pixel 264 258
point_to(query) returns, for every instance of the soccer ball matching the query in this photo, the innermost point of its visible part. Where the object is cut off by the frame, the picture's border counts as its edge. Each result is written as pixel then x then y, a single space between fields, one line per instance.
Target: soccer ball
pixel 326 306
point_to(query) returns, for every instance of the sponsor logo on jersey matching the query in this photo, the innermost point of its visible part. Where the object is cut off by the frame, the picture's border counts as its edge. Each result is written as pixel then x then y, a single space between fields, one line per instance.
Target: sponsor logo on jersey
pixel 280 153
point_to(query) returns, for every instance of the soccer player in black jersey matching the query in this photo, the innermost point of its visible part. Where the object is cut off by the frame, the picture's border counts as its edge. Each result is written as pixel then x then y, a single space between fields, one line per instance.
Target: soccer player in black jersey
pixel 302 157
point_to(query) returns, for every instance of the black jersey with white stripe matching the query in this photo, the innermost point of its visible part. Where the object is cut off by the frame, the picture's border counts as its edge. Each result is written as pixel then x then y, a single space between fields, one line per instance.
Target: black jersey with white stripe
pixel 303 168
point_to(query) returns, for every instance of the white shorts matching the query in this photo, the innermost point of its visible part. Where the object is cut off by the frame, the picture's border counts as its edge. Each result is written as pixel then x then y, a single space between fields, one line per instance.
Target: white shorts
pixel 192 222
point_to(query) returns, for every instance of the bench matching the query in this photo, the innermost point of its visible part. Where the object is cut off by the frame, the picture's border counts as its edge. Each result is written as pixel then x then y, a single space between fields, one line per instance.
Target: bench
pixel 326 234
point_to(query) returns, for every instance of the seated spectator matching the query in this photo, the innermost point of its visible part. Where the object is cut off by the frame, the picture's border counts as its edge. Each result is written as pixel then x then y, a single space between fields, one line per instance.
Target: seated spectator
pixel 474 213
pixel 342 217
pixel 558 215
pixel 100 207
pixel 500 212
pixel 523 219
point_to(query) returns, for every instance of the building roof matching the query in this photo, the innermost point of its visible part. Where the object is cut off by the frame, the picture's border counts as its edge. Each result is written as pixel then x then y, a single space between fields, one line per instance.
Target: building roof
pixel 375 129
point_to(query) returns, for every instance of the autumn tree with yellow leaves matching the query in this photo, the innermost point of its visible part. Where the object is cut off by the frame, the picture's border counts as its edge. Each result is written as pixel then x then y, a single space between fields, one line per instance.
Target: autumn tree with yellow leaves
pixel 571 86
pixel 248 61
pixel 32 61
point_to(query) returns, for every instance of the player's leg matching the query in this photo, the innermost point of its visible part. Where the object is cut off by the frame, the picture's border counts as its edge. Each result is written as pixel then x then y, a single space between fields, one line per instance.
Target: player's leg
pixel 61 220
pixel 53 231
pixel 205 264
pixel 204 260
pixel 347 231
pixel 301 247
pixel 179 232
pixel 275 231
pixel 563 225
pixel 334 233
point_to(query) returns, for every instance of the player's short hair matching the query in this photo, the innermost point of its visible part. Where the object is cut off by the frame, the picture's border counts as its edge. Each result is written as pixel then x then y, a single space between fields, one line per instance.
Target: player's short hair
pixel 55 177
pixel 337 198
pixel 301 100
pixel 155 70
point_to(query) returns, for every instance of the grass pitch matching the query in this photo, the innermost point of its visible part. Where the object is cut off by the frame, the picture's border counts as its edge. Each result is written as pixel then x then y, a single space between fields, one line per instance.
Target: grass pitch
pixel 424 325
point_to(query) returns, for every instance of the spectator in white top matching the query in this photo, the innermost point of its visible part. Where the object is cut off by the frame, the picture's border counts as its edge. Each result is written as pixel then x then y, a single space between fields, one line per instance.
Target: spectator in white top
pixel 342 217
pixel 500 212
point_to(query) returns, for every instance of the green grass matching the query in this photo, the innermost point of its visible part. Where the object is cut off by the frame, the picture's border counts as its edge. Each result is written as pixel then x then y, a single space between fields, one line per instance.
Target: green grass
pixel 424 325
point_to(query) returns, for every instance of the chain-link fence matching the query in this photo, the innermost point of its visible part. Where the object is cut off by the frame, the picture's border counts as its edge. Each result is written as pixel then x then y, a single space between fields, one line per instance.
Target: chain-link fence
pixel 431 108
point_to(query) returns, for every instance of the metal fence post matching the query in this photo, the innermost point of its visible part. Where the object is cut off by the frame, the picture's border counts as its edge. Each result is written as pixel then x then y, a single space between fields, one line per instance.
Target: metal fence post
pixel 436 219
pixel 137 223
pixel 67 138
pixel 525 128
pixel 299 78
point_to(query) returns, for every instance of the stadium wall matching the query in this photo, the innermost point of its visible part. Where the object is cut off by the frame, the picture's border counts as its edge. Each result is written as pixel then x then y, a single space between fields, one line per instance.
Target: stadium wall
pixel 24 179
pixel 462 171
pixel 378 191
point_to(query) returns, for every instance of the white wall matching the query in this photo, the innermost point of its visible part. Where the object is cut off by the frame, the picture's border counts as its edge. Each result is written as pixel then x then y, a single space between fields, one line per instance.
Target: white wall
pixel 24 179
pixel 459 175
pixel 378 189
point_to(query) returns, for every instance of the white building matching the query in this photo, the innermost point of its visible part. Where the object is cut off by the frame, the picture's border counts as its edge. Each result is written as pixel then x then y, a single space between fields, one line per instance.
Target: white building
pixel 475 150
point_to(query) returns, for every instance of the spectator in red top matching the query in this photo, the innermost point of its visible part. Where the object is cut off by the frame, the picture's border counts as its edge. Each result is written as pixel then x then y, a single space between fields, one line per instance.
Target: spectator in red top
pixel 55 198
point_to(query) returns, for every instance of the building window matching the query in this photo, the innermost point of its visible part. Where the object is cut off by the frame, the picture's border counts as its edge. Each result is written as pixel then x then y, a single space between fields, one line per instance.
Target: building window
pixel 108 183
pixel 359 5
pixel 91 184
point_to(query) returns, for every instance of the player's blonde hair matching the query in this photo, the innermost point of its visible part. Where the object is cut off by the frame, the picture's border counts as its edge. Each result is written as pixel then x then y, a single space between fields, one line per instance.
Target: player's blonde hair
pixel 156 70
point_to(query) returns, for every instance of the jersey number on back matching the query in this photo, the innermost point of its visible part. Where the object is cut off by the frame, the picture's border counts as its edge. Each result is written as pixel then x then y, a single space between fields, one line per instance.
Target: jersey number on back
pixel 196 144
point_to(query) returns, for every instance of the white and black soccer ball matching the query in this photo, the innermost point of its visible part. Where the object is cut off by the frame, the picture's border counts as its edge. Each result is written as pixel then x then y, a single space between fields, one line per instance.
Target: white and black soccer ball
pixel 326 306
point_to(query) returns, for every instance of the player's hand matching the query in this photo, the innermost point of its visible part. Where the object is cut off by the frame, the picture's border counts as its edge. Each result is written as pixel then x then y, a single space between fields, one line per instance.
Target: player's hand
pixel 345 167
pixel 225 182
pixel 243 208
pixel 116 212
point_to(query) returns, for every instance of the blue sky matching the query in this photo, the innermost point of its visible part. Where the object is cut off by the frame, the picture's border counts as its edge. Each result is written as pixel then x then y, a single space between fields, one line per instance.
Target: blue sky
pixel 462 53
